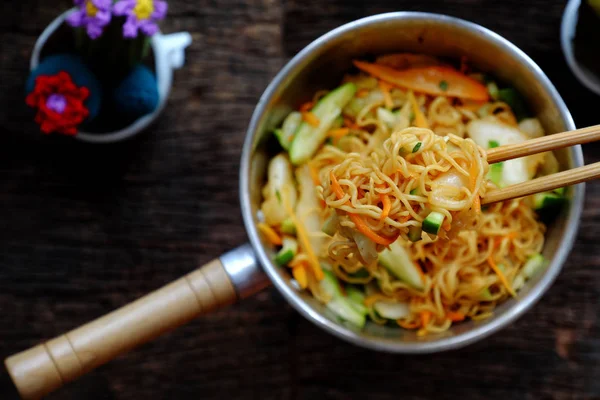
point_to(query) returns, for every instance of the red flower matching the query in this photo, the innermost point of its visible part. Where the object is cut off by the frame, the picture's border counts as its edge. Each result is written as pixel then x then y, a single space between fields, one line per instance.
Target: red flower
pixel 59 103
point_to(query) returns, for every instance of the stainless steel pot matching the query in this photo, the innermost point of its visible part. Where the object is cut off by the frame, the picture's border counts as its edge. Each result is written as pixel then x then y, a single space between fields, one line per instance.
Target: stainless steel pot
pixel 322 64
pixel 238 274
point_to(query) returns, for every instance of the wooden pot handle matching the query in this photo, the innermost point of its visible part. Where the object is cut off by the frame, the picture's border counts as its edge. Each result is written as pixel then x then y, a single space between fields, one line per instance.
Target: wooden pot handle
pixel 46 367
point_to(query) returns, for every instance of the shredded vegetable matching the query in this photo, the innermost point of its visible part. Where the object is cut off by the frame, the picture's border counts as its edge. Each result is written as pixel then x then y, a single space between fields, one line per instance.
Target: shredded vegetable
pixel 420 120
pixel 269 234
pixel 427 80
pixel 311 119
pixel 501 276
pixel 361 225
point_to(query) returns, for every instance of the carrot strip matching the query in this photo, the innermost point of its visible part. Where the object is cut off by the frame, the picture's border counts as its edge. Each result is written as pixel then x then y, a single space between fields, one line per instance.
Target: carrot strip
pixel 501 276
pixel 387 206
pixel 363 228
pixel 361 225
pixel 269 234
pixel 471 105
pixel 299 274
pixel 434 80
pixel 421 274
pixel 361 93
pixel 350 124
pixel 407 325
pixel 387 97
pixel 314 174
pixel 311 119
pixel 307 106
pixel 302 236
pixel 374 298
pixel 339 133
pixel 295 262
pixel 455 316
pixel 420 120
pixel 404 218
pixel 509 236
pixel 425 318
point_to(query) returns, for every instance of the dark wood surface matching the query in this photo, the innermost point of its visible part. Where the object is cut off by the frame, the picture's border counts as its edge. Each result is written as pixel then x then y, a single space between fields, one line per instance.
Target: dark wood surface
pixel 85 229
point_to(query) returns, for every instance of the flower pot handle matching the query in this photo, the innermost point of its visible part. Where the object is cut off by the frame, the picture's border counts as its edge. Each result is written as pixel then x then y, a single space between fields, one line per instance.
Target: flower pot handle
pixel 46 367
pixel 172 46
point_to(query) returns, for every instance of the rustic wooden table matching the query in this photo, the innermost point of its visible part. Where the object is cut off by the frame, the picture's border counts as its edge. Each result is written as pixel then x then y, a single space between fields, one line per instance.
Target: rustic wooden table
pixel 87 228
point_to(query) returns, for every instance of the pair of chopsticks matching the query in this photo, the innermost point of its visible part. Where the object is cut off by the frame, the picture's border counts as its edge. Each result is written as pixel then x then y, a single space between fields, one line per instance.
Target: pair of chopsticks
pixel 549 182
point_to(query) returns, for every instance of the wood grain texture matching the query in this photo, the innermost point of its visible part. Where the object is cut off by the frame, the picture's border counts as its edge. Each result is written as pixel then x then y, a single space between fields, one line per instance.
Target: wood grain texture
pixel 86 229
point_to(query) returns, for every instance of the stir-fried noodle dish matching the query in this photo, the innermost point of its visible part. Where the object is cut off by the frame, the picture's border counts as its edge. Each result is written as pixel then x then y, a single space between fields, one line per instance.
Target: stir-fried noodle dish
pixel 374 200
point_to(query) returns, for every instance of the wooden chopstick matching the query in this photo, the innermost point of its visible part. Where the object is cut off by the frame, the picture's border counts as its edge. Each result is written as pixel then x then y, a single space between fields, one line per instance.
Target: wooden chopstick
pixel 543 184
pixel 544 143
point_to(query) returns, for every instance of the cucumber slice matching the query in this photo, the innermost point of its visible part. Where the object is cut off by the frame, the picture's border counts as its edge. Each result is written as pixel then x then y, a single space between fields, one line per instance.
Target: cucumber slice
pixel 495 174
pixel 331 225
pixel 502 268
pixel 361 273
pixel 357 299
pixel 518 282
pixel 288 129
pixel 513 98
pixel 340 305
pixel 396 259
pixel 342 308
pixel 308 138
pixel 283 141
pixel 414 233
pixel 330 284
pixel 486 295
pixel 493 144
pixel 533 266
pixel 560 191
pixel 287 252
pixel 492 88
pixel 388 117
pixel 280 185
pixel 433 222
pixel 338 122
pixel 547 200
pixel 391 310
pixel 288 227
pixel 284 257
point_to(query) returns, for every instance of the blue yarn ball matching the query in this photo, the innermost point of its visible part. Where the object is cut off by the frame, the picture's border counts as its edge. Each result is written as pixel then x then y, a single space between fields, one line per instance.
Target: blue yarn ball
pixel 137 94
pixel 80 74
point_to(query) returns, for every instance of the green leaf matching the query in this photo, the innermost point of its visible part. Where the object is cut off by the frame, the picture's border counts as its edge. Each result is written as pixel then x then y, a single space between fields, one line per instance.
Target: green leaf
pixel 417 147
pixel 493 144
pixel 444 85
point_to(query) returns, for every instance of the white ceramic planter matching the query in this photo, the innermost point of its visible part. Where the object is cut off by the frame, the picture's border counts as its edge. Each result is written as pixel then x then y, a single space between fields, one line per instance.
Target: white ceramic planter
pixel 567 33
pixel 169 54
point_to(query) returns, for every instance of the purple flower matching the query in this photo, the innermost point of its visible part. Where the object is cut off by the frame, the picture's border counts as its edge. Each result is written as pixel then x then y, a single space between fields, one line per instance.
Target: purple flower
pixel 93 14
pixel 141 15
pixel 56 102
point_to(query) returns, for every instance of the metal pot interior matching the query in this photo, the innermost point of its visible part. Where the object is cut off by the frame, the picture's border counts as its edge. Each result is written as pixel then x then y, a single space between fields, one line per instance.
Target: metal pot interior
pixel 321 65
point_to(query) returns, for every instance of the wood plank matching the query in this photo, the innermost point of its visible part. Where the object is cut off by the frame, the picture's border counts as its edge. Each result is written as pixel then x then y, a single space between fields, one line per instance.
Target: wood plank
pixel 86 229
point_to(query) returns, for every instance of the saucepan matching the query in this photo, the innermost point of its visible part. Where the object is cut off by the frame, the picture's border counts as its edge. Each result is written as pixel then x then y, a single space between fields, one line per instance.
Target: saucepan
pixel 249 268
